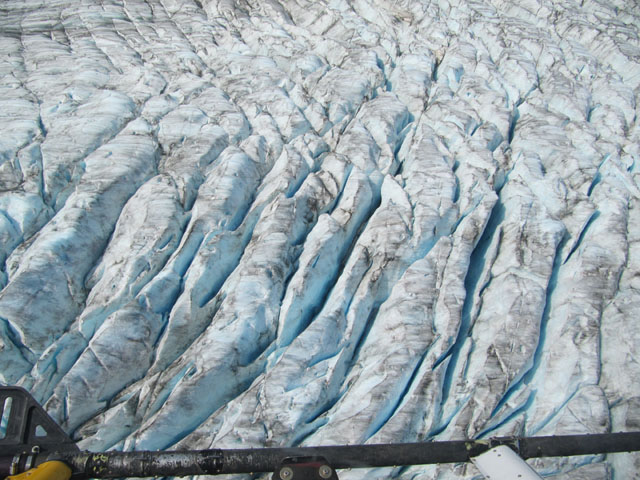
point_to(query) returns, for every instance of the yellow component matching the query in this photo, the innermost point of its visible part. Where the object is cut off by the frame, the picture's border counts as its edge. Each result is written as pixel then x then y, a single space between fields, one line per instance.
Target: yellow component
pixel 53 470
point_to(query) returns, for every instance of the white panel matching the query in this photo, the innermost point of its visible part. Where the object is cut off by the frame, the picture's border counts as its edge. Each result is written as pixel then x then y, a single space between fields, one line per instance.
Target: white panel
pixel 502 463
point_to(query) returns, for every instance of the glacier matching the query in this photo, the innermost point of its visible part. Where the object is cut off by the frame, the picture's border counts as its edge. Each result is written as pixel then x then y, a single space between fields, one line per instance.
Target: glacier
pixel 233 223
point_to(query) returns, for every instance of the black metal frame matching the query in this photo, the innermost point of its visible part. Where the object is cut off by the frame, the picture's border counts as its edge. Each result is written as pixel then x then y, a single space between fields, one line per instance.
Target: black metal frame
pixel 21 449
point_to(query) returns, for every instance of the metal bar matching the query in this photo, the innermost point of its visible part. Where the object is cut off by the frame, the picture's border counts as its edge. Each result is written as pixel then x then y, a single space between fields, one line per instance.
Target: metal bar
pixel 212 462
pixel 144 464
pixel 567 445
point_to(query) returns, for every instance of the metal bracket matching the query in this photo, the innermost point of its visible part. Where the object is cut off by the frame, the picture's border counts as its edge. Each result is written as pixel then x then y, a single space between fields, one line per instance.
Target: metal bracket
pixel 26 429
pixel 305 468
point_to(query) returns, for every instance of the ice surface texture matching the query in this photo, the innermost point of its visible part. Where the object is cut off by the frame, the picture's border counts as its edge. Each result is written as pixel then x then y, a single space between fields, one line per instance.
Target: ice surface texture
pixel 241 223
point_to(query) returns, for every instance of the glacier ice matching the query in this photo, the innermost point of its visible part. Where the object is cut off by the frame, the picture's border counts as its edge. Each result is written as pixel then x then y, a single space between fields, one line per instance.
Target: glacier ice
pixel 231 223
